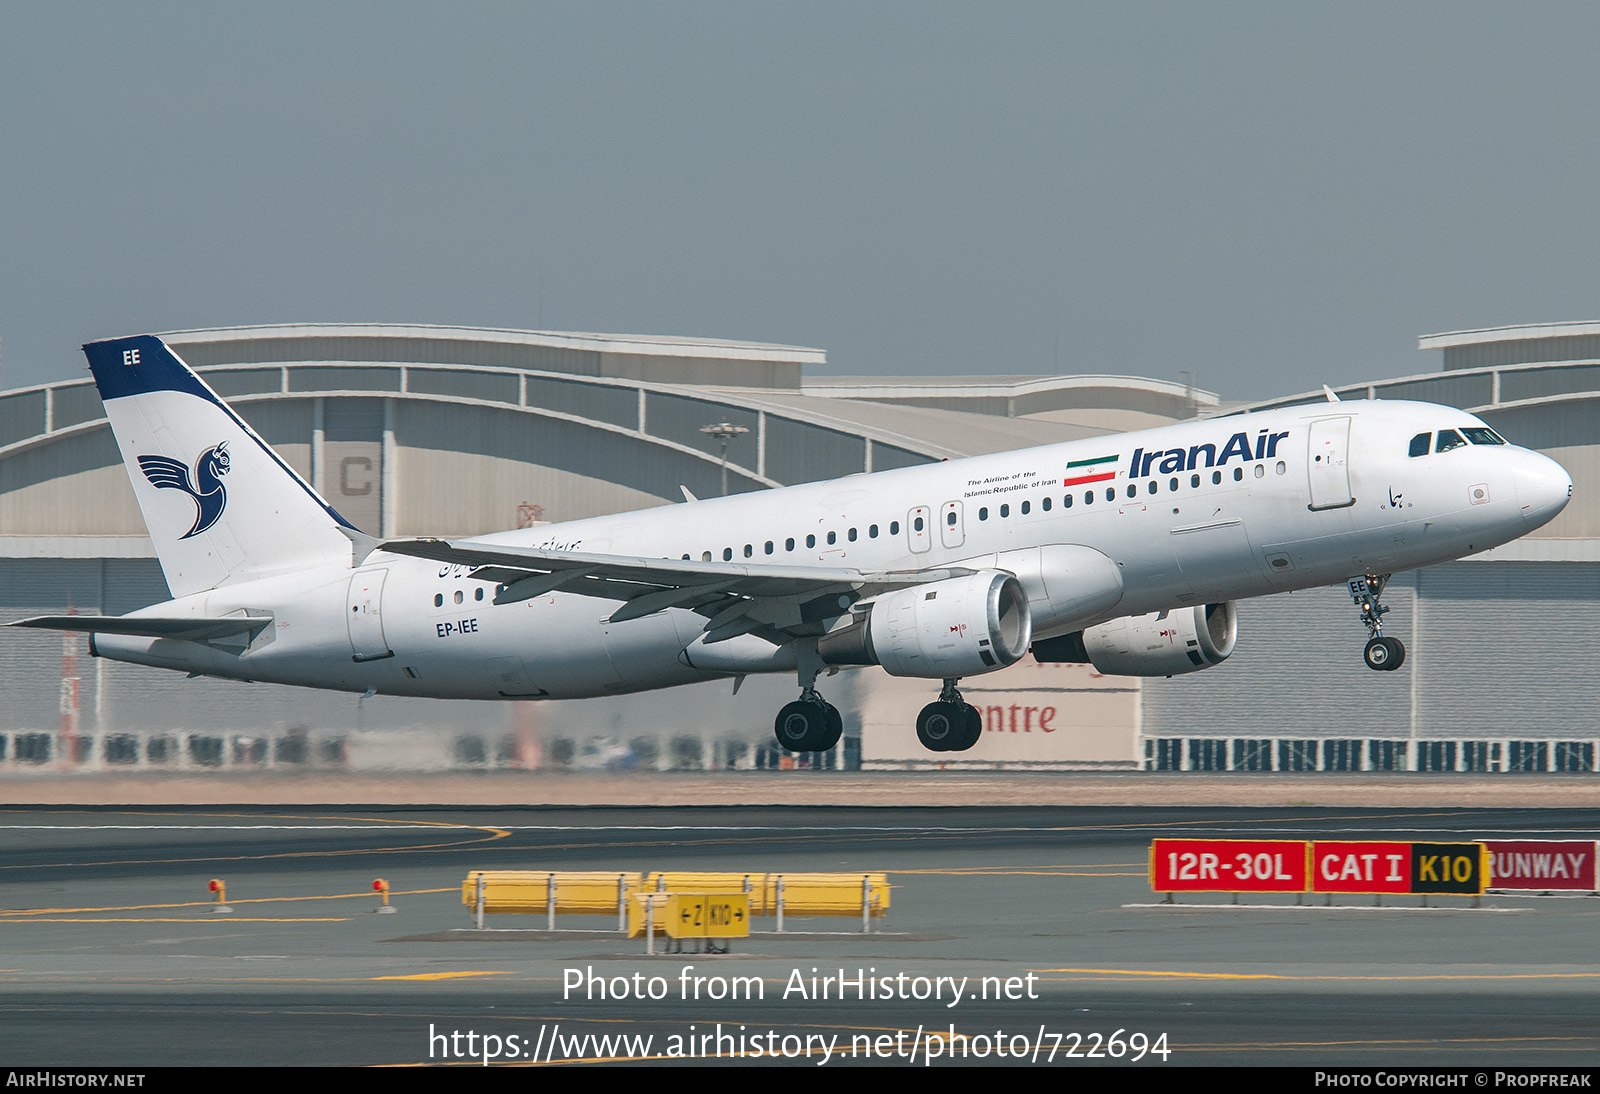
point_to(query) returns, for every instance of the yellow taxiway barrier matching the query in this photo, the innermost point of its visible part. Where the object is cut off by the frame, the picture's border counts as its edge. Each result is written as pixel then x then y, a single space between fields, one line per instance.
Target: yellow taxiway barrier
pixel 548 892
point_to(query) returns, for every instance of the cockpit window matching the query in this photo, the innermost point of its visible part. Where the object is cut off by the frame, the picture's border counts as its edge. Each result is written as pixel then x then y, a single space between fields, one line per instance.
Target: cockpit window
pixel 1420 443
pixel 1483 435
pixel 1448 439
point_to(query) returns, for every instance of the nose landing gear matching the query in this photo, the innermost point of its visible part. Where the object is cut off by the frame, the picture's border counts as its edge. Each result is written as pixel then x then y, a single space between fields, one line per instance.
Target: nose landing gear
pixel 1381 654
pixel 950 724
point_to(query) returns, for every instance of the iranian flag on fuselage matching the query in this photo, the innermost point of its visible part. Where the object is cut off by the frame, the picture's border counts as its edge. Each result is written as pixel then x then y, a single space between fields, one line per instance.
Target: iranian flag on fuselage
pixel 1098 469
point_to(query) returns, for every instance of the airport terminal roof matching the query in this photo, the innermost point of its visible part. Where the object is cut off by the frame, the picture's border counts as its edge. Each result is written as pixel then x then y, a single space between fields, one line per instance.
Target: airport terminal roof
pixel 1527 344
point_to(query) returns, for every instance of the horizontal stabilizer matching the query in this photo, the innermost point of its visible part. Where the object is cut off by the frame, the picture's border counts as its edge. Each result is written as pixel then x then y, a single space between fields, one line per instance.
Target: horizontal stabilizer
pixel 188 628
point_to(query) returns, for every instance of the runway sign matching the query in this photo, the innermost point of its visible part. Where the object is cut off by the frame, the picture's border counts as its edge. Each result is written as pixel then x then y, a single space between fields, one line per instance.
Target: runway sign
pixel 1542 865
pixel 1392 867
pixel 1228 866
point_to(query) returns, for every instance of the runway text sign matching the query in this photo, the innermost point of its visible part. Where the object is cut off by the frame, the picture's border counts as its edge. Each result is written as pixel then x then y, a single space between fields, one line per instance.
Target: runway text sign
pixel 1393 867
pixel 1542 865
pixel 1228 866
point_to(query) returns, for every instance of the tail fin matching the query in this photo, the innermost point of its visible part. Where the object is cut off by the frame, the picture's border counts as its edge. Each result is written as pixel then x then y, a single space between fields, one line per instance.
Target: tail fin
pixel 220 504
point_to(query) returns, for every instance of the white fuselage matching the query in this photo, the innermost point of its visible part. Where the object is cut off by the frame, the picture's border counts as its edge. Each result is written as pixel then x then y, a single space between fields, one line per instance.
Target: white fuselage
pixel 1193 513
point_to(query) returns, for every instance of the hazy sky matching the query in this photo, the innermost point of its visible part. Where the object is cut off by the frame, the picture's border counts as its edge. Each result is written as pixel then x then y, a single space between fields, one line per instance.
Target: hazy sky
pixel 1271 195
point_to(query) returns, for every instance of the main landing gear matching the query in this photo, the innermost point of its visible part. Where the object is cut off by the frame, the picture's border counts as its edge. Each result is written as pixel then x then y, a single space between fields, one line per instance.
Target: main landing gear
pixel 812 724
pixel 1382 654
pixel 949 724
pixel 809 724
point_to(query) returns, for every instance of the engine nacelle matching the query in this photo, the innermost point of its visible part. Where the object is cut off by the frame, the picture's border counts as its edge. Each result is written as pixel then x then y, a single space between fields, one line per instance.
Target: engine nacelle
pixel 1158 644
pixel 961 626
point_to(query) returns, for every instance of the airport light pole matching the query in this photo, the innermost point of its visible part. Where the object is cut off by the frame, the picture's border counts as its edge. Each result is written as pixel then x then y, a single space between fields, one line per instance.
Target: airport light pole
pixel 724 432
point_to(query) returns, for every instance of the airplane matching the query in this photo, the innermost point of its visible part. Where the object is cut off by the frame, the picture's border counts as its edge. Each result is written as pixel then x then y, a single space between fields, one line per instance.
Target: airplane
pixel 1126 552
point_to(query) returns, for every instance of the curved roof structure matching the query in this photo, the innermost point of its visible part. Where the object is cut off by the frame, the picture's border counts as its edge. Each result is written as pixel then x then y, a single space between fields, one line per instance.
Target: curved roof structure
pixel 448 430
pixel 1549 403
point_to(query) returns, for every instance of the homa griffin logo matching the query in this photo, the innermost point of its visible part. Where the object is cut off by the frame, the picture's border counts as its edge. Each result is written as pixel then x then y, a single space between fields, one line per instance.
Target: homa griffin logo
pixel 1170 461
pixel 210 497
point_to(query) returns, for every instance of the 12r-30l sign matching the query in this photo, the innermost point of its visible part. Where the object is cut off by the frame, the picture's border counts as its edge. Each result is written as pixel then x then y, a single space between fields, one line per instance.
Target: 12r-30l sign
pixel 1239 866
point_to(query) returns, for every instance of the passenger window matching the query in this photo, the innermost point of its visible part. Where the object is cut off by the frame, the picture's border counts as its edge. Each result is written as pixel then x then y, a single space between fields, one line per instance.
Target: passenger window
pixel 788 544
pixel 1419 444
pixel 872 531
pixel 727 554
pixel 1194 481
pixel 438 600
pixel 894 528
pixel 1261 470
pixel 917 524
pixel 1448 439
pixel 1238 474
pixel 1088 497
pixel 1066 501
pixel 769 546
pixel 811 541
pixel 1216 478
pixel 1025 508
pixel 1111 493
pixel 477 594
pixel 1045 504
pixel 1133 488
pixel 983 513
pixel 748 550
pixel 833 537
pixel 1005 510
pixel 458 597
pixel 1173 485
pixel 705 556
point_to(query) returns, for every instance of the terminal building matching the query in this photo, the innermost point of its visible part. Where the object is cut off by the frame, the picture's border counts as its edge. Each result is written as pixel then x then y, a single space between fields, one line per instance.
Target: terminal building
pixel 412 430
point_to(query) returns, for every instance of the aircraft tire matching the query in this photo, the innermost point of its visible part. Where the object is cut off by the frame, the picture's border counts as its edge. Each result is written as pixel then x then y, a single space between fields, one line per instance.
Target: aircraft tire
pixel 802 726
pixel 833 728
pixel 940 726
pixel 971 728
pixel 1384 654
pixel 1397 657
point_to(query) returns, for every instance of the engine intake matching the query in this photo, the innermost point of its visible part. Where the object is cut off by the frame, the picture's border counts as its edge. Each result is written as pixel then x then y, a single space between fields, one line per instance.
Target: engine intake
pixel 962 626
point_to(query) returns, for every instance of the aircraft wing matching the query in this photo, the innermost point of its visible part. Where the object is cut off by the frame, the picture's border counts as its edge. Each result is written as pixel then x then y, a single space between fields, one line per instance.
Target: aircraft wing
pixel 190 628
pixel 778 601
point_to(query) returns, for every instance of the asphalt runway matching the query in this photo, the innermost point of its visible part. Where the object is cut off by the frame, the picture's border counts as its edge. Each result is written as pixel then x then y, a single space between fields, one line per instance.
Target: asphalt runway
pixel 110 955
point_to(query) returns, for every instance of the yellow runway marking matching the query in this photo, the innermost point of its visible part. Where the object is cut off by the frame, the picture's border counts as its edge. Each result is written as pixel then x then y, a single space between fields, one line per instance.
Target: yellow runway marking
pixel 1178 975
pixel 18 913
pixel 490 835
pixel 444 975
pixel 995 872
pixel 207 919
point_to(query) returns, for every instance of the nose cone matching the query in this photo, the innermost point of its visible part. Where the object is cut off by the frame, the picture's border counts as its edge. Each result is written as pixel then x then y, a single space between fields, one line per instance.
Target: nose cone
pixel 1543 488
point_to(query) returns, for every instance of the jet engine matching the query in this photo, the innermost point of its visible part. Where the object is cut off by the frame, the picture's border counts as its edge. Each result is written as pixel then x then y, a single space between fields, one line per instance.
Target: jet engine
pixel 961 626
pixel 1159 644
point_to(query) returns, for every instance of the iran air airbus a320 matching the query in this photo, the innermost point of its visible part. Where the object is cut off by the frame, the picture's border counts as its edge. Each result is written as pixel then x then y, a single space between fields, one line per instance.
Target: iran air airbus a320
pixel 1126 552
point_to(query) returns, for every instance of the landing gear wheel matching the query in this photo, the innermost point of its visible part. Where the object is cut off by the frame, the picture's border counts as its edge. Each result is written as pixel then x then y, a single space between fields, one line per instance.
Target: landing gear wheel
pixel 834 728
pixel 941 726
pixel 971 730
pixel 1385 654
pixel 801 725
